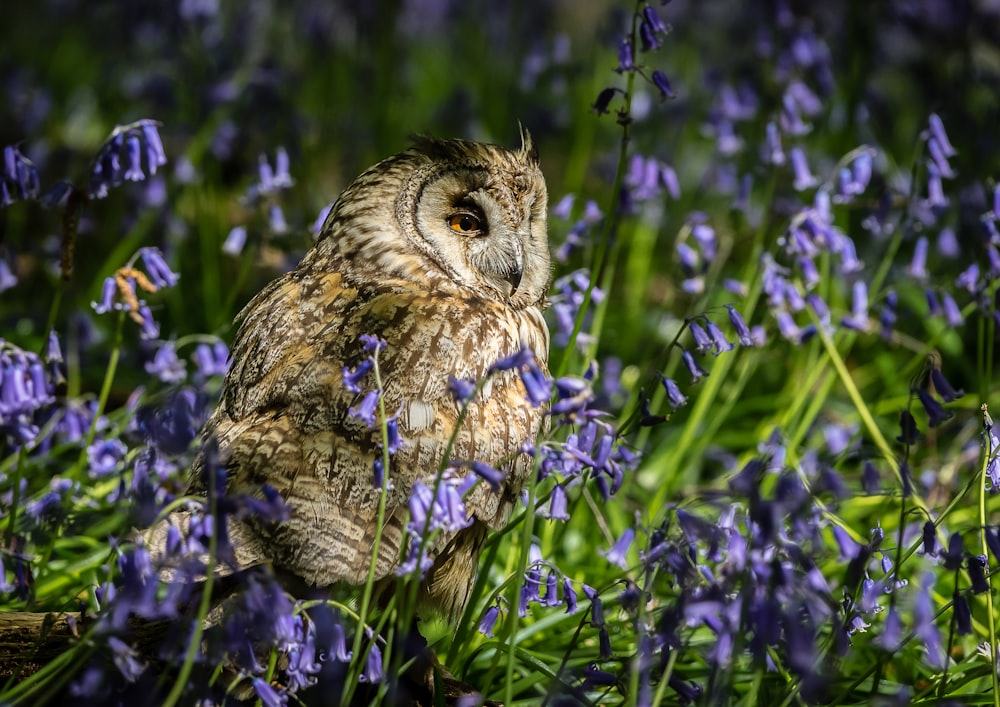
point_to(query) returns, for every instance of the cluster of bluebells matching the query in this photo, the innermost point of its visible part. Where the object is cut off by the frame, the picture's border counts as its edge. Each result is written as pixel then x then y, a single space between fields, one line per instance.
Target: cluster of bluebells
pixel 132 153
pixel 367 407
pixel 166 585
pixel 271 181
pixel 576 237
pixel 708 337
pixel 120 292
pixel 650 29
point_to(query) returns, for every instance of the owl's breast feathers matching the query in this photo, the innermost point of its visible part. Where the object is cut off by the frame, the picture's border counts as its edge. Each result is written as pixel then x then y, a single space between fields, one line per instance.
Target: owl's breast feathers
pixel 284 419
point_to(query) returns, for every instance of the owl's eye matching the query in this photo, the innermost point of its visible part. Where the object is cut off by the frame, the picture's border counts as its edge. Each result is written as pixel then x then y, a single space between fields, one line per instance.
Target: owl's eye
pixel 466 223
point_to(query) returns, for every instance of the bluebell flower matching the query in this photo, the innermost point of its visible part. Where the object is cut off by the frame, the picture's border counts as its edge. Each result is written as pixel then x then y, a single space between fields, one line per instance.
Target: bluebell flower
pixel 804 178
pixel 952 313
pixel 276 219
pixel 719 339
pixel 977 573
pixel 600 105
pixel 662 83
pixel 235 240
pixel 366 409
pixel 702 342
pixel 924 626
pixel 557 503
pixel 625 60
pixel 773 151
pixel 596 606
pixel 211 360
pixel 268 695
pixel 918 263
pixel 352 378
pixel 461 389
pixel 617 554
pixel 126 659
pixel 165 364
pixel 569 596
pixel 19 179
pixel 494 477
pixel 489 621
pixel 963 614
pixel 103 456
pixel 859 308
pixel 936 414
pixel 593 676
pixel 943 387
pixel 696 371
pixel 675 398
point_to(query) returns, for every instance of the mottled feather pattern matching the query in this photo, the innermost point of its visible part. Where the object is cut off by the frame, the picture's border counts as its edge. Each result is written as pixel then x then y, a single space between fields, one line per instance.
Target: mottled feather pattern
pixel 446 305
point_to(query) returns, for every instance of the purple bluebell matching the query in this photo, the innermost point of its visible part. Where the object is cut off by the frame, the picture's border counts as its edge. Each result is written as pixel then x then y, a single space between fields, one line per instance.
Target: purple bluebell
pixel 952 314
pixel 235 240
pixel 936 414
pixel 702 341
pixel 603 100
pixel 107 301
pixel 211 360
pixel 773 151
pixel 977 565
pixel 489 621
pixel 569 596
pixel 859 308
pixel 558 504
pixel 367 408
pixel 929 536
pixel 924 626
pixel 943 387
pixel 787 326
pixel 743 333
pixel 20 177
pixel 696 371
pixel 675 398
pixel 662 83
pixel 968 279
pixel 625 59
pixel 133 155
pixel 165 364
pixel 935 189
pixel 617 553
pixel 276 220
pixel 939 159
pixel 461 389
pixel 918 264
pixel 722 344
pixel 804 178
pixel 268 695
pixel 352 378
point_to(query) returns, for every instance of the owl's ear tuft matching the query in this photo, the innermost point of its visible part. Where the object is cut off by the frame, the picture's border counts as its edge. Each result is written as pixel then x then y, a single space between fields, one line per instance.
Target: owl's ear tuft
pixel 528 150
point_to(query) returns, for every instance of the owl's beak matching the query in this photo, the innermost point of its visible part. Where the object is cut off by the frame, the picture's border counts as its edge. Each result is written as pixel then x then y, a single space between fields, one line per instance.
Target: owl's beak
pixel 517 271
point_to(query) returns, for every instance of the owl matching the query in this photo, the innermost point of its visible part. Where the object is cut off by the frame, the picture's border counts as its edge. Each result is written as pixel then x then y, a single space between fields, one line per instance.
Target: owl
pixel 442 252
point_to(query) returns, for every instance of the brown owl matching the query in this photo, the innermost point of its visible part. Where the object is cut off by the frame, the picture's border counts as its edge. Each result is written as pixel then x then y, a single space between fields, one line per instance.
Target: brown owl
pixel 442 252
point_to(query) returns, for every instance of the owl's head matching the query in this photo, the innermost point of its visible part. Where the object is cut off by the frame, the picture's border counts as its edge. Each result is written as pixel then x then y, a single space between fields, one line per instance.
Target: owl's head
pixel 465 215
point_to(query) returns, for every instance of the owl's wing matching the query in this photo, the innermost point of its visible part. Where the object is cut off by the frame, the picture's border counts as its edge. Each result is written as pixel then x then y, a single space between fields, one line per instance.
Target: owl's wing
pixel 285 421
